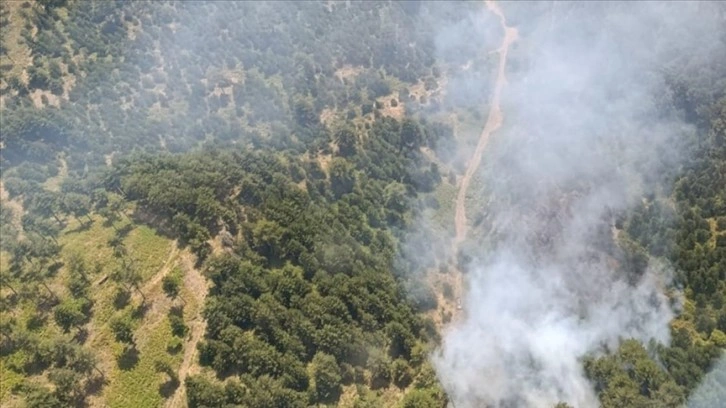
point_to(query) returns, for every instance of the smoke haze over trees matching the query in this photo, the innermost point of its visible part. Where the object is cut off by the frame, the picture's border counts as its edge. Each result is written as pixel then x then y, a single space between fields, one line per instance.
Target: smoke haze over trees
pixel 249 204
pixel 591 128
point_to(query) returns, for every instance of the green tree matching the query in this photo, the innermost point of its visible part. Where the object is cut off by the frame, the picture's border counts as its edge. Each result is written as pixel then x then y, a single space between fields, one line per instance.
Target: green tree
pixel 411 135
pixel 68 385
pixel 267 239
pixel 342 177
pixel 401 373
pixel 123 330
pixel 71 313
pixel 171 284
pixel 326 377
pixel 40 397
pixel 346 141
pixel 380 366
pixel 420 398
pixel 79 205
pixel 41 226
pixel 84 362
pixel 129 277
pixel 201 392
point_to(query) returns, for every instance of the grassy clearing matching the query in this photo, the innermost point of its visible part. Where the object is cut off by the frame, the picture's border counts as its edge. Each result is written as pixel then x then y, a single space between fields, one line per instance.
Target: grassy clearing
pixel 147 246
pixel 148 249
pixel 139 386
pixel 91 242
pixel 133 384
pixel 443 217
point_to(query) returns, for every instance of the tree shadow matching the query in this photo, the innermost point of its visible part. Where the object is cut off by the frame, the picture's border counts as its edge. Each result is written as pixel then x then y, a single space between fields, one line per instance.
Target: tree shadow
pixel 45 302
pixel 140 310
pixel 121 298
pixel 167 388
pixel 36 367
pixel 177 310
pixel 36 321
pixel 332 396
pixel 9 301
pixel 54 268
pixel 159 223
pixel 108 222
pixel 175 346
pixel 125 230
pixel 81 335
pixel 84 226
pixel 128 359
pixel 379 382
pixel 95 384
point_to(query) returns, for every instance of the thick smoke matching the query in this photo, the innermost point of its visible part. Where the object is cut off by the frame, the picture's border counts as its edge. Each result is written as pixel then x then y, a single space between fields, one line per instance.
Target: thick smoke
pixel 588 132
pixel 712 390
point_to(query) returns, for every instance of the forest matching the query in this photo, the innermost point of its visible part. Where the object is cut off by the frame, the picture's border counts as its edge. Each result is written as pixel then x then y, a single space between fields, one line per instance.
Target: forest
pixel 219 204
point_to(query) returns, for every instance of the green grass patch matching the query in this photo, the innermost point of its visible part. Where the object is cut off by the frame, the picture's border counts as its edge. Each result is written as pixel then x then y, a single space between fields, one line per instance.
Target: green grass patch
pixel 138 384
pixel 149 249
pixel 129 384
pixel 445 195
pixel 91 242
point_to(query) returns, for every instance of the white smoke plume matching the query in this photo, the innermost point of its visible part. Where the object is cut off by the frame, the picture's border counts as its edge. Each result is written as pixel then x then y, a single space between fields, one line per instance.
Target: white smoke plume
pixel 588 131
pixel 712 390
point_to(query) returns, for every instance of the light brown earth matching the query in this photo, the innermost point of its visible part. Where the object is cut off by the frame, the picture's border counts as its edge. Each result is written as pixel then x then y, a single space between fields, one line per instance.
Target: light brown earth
pixel 195 283
pixel 494 122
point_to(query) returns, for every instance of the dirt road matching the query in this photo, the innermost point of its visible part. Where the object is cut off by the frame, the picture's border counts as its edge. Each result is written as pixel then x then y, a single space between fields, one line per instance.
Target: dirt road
pixel 494 121
pixel 197 285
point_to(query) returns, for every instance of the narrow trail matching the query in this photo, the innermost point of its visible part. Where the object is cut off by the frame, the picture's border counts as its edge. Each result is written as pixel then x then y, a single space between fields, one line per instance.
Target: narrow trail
pixel 494 121
pixel 165 269
pixel 197 285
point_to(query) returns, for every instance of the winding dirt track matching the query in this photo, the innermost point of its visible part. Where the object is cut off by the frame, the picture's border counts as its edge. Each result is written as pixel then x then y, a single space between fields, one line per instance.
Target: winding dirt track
pixel 494 121
pixel 197 285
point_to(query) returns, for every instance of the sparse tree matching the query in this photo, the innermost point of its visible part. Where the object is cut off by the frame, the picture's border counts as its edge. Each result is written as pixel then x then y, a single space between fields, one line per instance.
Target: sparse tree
pixel 68 386
pixel 40 397
pixel 128 276
pixel 123 331
pixel 78 285
pixel 171 284
pixel 41 226
pixel 71 313
pixel 85 362
pixel 6 281
pixel 47 203
pixel 163 366
pixel 37 273
pixel 79 205
pixel 77 265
